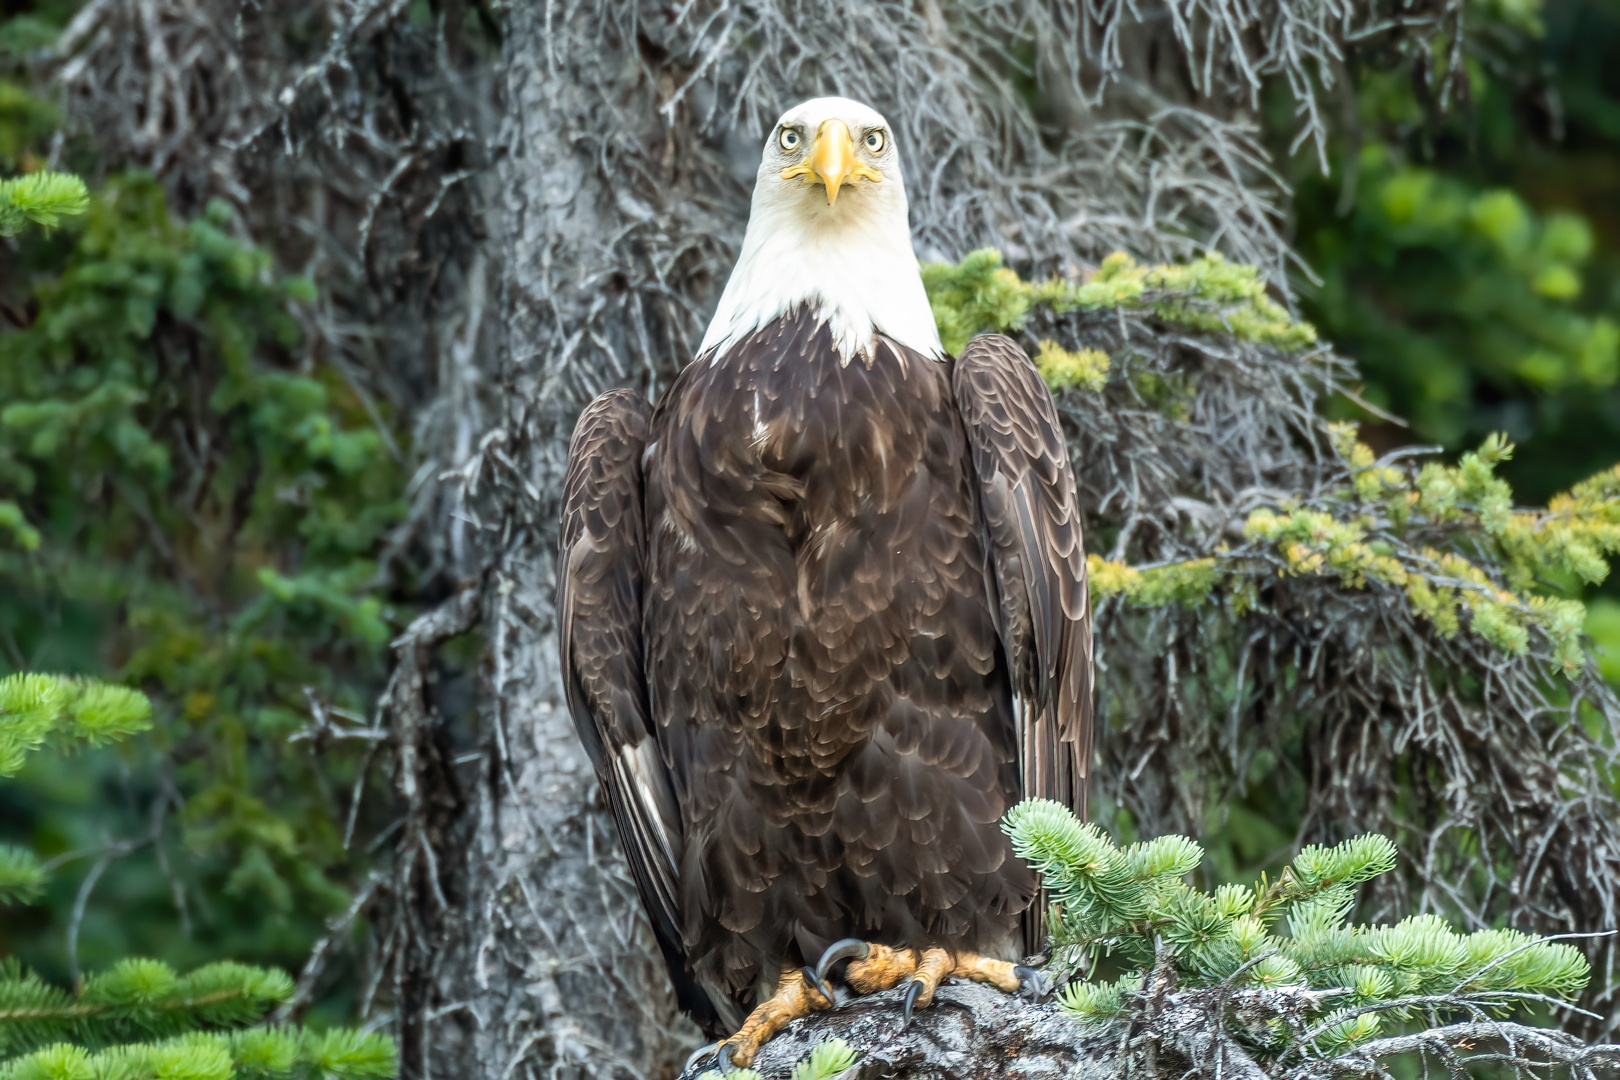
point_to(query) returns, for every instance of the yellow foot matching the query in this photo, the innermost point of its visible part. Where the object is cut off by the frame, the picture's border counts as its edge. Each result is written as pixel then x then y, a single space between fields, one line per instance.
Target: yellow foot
pixel 1004 975
pixel 878 967
pixel 794 997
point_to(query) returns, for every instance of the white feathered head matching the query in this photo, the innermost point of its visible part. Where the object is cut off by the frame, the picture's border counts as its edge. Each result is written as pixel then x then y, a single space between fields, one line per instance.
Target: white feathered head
pixel 828 230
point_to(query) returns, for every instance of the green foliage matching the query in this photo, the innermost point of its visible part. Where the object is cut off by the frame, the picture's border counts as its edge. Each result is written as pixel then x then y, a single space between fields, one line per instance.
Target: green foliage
pixel 194 502
pixel 825 1060
pixel 1085 369
pixel 266 1052
pixel 134 1000
pixel 1470 259
pixel 1187 582
pixel 1208 294
pixel 1358 541
pixel 1135 903
pixel 1472 285
pixel 22 875
pixel 1385 526
pixel 43 198
pixel 37 708
pixel 140 1018
pixel 26 121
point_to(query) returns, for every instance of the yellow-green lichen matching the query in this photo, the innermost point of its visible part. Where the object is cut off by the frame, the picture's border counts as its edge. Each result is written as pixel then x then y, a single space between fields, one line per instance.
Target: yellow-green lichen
pixel 1208 294
pixel 1082 369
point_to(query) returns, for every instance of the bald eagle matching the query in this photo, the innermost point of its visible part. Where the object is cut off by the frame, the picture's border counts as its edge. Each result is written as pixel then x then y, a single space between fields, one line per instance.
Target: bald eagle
pixel 823 615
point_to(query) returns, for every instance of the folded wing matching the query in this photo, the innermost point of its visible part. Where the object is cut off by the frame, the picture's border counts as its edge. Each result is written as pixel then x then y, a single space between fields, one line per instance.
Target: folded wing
pixel 1038 561
pixel 599 604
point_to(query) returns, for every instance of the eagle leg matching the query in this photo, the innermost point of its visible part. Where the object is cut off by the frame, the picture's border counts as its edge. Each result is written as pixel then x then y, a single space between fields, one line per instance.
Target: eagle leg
pixel 871 968
pixel 794 998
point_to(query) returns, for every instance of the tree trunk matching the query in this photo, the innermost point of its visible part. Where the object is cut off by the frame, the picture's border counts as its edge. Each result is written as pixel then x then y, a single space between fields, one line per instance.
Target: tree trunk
pixel 631 134
pixel 546 963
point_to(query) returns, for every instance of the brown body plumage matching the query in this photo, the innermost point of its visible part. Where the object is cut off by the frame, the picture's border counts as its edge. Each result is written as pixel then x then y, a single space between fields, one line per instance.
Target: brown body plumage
pixel 823 622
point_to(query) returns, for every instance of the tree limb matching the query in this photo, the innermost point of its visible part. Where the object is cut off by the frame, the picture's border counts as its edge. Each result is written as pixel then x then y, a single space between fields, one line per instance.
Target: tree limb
pixel 974 1031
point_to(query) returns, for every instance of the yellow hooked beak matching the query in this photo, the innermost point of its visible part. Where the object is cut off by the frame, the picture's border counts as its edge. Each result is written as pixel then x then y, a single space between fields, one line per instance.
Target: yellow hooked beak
pixel 832 160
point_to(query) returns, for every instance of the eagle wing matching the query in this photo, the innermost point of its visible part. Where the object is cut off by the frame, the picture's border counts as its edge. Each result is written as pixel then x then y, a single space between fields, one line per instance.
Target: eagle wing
pixel 599 603
pixel 1037 562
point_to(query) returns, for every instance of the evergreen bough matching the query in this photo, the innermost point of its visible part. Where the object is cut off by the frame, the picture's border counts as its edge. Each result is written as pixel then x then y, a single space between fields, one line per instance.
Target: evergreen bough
pixel 1353 535
pixel 141 1020
pixel 205 486
pixel 1301 636
pixel 41 198
pixel 1290 932
pixel 827 1059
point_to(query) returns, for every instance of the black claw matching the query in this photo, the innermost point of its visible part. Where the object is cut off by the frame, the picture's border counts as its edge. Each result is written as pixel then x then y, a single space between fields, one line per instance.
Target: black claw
pixel 847 949
pixel 911 997
pixel 1032 984
pixel 699 1054
pixel 722 1058
pixel 819 983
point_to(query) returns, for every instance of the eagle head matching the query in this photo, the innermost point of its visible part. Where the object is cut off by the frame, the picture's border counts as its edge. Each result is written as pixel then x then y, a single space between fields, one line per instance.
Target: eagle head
pixel 829 145
pixel 828 231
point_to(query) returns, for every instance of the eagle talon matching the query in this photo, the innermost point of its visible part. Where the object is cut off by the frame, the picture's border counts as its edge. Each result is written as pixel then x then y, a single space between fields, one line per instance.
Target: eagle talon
pixel 699 1054
pixel 847 949
pixel 820 984
pixel 722 1058
pixel 1032 985
pixel 912 991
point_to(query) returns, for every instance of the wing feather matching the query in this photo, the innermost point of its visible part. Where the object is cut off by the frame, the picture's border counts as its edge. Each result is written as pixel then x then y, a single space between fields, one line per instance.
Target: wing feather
pixel 600 567
pixel 1037 569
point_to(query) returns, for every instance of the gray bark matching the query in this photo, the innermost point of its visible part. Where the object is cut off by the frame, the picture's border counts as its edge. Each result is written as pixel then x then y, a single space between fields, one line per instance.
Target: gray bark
pixel 972 1032
pixel 546 964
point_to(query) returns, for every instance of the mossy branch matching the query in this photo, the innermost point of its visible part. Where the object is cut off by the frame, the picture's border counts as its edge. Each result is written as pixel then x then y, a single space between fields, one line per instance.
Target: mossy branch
pixel 1209 295
pixel 1410 529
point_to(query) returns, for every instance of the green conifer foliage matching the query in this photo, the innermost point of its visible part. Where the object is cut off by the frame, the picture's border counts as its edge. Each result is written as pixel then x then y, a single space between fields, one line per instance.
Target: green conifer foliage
pixel 1208 294
pixel 1415 528
pixel 193 500
pixel 43 198
pixel 827 1059
pixel 1469 257
pixel 1300 639
pixel 35 708
pixel 1135 903
pixel 140 1019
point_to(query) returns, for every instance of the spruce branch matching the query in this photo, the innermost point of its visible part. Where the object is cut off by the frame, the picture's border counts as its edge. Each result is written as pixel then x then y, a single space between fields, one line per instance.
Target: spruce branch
pixel 1135 903
pixel 140 1019
pixel 827 1060
pixel 42 198
pixel 257 1054
pixel 133 999
pixel 35 709
pixel 22 875
pixel 1418 530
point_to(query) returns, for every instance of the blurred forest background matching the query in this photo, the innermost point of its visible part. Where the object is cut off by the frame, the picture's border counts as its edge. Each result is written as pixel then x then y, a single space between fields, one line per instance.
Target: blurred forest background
pixel 238 545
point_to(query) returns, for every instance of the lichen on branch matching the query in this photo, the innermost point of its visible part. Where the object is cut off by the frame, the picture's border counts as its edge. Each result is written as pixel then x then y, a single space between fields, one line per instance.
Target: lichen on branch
pixel 1289 622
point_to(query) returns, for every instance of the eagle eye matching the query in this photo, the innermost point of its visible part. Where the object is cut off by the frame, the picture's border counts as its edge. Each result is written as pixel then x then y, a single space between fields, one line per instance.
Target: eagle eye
pixel 874 140
pixel 788 139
